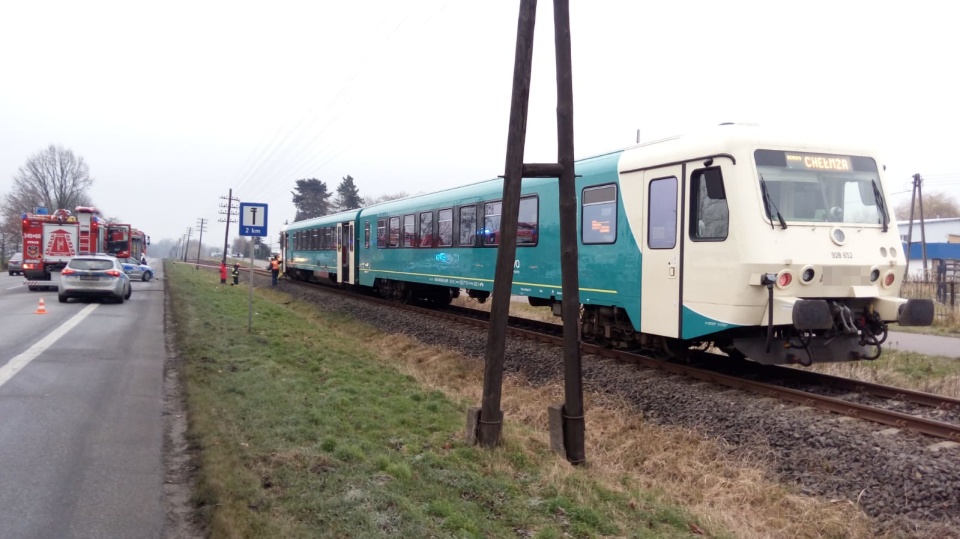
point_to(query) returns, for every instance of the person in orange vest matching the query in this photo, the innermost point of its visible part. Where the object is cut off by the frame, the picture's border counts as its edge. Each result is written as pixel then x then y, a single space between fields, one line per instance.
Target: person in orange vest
pixel 223 272
pixel 275 269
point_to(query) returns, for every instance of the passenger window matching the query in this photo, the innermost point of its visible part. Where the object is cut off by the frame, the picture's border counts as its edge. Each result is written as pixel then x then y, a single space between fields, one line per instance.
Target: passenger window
pixel 468 226
pixel 408 237
pixel 528 222
pixel 598 215
pixel 491 223
pixel 381 233
pixel 394 232
pixel 366 234
pixel 426 229
pixel 662 214
pixel 445 228
pixel 709 215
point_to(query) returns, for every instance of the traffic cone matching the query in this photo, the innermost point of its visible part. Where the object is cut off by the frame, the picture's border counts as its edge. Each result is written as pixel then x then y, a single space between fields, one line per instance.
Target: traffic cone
pixel 42 308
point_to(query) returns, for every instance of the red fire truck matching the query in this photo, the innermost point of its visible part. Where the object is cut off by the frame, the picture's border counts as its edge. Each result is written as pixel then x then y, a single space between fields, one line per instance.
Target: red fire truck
pixel 49 240
pixel 138 243
pixel 124 241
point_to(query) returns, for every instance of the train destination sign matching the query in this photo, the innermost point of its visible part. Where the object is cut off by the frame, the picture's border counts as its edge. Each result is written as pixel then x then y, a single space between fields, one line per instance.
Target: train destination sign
pixel 809 161
pixel 253 219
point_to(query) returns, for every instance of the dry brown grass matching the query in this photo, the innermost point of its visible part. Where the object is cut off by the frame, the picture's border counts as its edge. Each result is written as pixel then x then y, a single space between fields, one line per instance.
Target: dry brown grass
pixel 909 371
pixel 521 309
pixel 723 489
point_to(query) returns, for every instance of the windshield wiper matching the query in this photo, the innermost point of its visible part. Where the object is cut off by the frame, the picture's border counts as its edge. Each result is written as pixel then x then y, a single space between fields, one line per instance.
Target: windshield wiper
pixel 880 205
pixel 767 202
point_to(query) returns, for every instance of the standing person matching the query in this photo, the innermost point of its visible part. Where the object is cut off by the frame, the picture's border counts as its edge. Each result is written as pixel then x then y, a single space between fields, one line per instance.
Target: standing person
pixel 275 269
pixel 236 274
pixel 143 258
pixel 223 272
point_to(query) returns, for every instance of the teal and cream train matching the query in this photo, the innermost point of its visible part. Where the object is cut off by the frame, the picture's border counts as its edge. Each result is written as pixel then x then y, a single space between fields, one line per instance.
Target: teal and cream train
pixel 771 247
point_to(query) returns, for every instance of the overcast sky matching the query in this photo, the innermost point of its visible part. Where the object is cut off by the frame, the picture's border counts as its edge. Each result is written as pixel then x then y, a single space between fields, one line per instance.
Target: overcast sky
pixel 173 103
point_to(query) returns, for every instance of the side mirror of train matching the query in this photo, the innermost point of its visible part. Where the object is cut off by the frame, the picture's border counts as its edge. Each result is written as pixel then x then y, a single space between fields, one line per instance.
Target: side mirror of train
pixel 916 312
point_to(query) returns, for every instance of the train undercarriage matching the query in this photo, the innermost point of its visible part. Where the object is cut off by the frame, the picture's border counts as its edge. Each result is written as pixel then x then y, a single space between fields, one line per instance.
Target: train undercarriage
pixel 823 330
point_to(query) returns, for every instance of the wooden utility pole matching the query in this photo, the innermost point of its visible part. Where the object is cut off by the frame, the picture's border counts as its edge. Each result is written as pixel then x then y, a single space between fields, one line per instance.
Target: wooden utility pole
pixel 228 216
pixel 914 197
pixel 187 244
pixel 567 426
pixel 202 225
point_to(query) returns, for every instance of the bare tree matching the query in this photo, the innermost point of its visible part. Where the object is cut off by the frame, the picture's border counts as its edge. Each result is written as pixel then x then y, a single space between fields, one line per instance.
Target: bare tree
pixel 53 178
pixel 376 199
pixel 935 206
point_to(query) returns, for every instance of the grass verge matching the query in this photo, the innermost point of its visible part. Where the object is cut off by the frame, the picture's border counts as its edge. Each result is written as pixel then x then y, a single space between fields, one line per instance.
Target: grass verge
pixel 313 425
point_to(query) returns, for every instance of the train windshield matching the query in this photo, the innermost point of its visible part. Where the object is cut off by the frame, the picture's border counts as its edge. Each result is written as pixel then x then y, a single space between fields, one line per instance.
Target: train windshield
pixel 809 187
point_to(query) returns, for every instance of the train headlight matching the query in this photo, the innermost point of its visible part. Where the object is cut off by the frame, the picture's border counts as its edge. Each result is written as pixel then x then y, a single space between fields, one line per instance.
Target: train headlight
pixel 807 276
pixel 874 275
pixel 889 279
pixel 784 278
pixel 838 236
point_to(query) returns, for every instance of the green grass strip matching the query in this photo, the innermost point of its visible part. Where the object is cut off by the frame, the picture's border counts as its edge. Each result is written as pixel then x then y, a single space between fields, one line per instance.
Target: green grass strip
pixel 302 431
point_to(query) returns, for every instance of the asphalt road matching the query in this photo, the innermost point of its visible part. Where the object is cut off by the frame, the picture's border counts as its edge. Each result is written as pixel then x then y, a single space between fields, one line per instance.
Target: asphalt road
pixel 931 345
pixel 81 427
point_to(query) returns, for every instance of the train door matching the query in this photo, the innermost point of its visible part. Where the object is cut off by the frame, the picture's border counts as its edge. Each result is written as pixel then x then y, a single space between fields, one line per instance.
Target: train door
pixel 345 260
pixel 660 247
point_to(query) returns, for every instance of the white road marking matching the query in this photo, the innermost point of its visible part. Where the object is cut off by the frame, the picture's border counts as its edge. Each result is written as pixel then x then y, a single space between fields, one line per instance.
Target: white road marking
pixel 15 286
pixel 14 365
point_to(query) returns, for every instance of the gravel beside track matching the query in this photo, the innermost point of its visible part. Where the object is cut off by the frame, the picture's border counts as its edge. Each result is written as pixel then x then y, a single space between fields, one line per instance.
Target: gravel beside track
pixel 896 477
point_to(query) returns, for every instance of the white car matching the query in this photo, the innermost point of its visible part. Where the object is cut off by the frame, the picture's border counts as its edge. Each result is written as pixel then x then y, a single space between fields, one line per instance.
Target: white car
pixel 94 276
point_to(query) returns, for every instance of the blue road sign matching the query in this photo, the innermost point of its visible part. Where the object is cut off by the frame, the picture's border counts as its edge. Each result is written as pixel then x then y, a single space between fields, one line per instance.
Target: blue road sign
pixel 253 219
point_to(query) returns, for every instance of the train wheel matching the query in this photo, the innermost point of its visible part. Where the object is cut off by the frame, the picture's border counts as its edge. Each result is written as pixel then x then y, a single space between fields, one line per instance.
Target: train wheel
pixel 674 349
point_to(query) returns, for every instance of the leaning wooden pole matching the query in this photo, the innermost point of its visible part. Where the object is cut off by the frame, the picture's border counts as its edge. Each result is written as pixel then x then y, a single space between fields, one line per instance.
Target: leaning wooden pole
pixel 573 417
pixel 490 420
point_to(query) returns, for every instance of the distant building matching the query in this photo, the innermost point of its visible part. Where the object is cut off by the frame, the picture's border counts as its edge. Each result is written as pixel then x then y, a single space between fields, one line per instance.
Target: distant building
pixel 942 244
pixel 935 230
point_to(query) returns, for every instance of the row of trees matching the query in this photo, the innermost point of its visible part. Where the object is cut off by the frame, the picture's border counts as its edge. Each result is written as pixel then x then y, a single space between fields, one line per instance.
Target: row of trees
pixel 52 178
pixel 312 199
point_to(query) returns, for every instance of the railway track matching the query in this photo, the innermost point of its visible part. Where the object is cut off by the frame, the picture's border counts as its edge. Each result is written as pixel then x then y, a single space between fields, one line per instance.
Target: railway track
pixel 896 407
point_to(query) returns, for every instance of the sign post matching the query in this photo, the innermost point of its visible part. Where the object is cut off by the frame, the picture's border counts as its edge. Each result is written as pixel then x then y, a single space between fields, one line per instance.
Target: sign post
pixel 253 222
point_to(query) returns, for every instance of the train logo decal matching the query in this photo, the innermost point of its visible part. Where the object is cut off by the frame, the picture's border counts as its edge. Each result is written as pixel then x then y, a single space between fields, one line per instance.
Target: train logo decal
pixel 60 244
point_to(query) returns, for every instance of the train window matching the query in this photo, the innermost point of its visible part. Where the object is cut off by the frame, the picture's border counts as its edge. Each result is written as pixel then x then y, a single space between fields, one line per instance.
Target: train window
pixel 409 239
pixel 709 215
pixel 381 233
pixel 426 229
pixel 445 228
pixel 598 216
pixel 468 226
pixel 393 232
pixel 662 214
pixel 528 222
pixel 491 223
pixel 366 234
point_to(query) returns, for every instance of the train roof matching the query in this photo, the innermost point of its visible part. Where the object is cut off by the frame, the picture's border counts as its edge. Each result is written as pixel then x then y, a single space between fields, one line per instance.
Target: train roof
pixel 720 139
pixel 329 219
pixel 730 138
